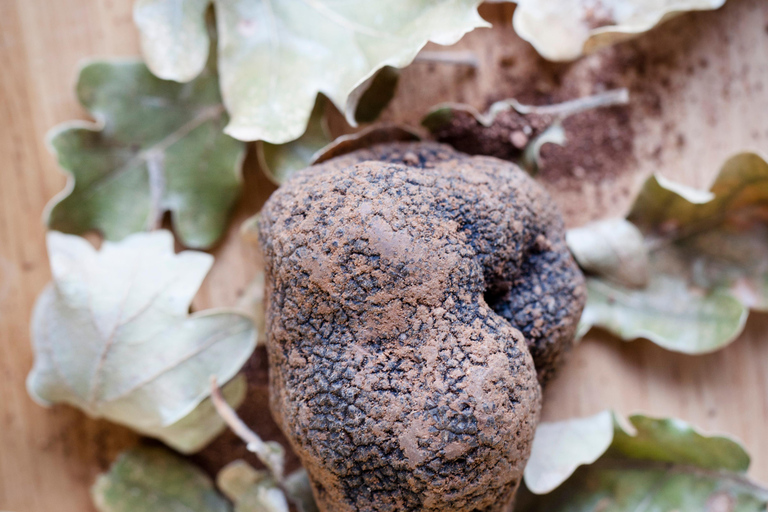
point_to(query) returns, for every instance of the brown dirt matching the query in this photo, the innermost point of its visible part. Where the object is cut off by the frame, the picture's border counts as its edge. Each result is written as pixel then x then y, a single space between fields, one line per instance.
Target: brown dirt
pixel 506 138
pixel 411 290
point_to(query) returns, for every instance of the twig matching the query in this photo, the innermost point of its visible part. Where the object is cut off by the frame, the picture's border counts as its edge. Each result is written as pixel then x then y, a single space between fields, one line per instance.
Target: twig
pixel 568 108
pixel 449 57
pixel 270 454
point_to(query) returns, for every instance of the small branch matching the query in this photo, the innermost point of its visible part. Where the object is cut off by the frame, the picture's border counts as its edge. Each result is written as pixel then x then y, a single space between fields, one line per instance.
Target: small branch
pixel 155 167
pixel 449 57
pixel 270 454
pixel 568 108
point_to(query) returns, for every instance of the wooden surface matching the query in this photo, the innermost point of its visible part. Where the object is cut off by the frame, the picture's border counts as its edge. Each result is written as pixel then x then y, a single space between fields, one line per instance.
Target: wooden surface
pixel 49 458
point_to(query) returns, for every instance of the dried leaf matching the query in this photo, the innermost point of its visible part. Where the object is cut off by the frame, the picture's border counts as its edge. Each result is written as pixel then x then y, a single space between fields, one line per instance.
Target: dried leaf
pixel 659 464
pixel 299 491
pixel 565 29
pixel 280 161
pixel 157 147
pixel 251 490
pixel 612 249
pixel 112 335
pixel 274 58
pixel 561 447
pixel 270 453
pixel 153 480
pixel 195 430
pixel 708 262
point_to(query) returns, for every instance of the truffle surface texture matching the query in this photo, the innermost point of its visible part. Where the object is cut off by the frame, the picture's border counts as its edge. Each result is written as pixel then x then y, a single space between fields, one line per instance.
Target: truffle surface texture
pixel 411 289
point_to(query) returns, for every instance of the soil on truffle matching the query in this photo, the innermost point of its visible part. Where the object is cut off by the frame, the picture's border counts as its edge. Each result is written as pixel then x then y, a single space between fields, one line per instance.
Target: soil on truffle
pixel 408 287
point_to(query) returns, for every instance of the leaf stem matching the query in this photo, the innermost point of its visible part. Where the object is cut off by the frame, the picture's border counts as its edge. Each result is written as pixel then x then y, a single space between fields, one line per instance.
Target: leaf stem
pixel 267 453
pixel 465 58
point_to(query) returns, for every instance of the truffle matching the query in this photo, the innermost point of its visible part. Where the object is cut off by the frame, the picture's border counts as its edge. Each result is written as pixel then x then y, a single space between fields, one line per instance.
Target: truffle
pixel 411 289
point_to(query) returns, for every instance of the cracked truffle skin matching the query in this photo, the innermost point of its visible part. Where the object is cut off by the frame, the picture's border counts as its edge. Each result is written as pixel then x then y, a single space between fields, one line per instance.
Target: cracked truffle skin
pixel 408 285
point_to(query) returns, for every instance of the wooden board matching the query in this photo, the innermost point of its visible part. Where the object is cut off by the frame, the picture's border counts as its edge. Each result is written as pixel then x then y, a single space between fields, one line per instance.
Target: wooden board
pixel 50 457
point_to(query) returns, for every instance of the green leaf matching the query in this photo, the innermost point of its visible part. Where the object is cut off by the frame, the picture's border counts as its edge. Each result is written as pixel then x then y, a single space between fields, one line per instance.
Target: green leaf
pixel 275 57
pixel 251 490
pixel 157 147
pixel 198 428
pixel 660 464
pixel 707 261
pixel 153 480
pixel 565 29
pixel 112 335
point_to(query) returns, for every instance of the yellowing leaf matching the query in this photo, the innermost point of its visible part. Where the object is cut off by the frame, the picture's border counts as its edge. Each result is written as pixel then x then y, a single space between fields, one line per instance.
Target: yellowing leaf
pixel 155 480
pixel 707 262
pixel 112 335
pixel 656 464
pixel 157 146
pixel 565 29
pixel 275 57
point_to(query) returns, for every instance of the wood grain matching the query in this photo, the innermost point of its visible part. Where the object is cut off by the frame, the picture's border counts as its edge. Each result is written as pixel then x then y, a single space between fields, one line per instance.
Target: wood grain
pixel 49 457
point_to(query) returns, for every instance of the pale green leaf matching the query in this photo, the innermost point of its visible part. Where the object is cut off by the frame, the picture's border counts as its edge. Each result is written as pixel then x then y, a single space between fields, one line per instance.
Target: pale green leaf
pixel 666 311
pixel 275 57
pixel 251 490
pixel 112 335
pixel 156 147
pixel 565 29
pixel 198 428
pixel 153 480
pixel 560 447
pixel 708 262
pixel 280 161
pixel 659 464
pixel 612 249
pixel 299 491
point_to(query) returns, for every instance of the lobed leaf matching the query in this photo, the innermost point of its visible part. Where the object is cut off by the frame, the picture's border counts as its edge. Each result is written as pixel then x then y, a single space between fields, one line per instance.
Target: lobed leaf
pixel 707 262
pixel 112 335
pixel 251 490
pixel 565 29
pixel 156 147
pixel 275 57
pixel 154 479
pixel 659 464
pixel 198 428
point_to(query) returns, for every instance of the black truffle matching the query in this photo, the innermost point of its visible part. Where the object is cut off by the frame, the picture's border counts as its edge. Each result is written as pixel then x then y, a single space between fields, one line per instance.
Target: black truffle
pixel 408 287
